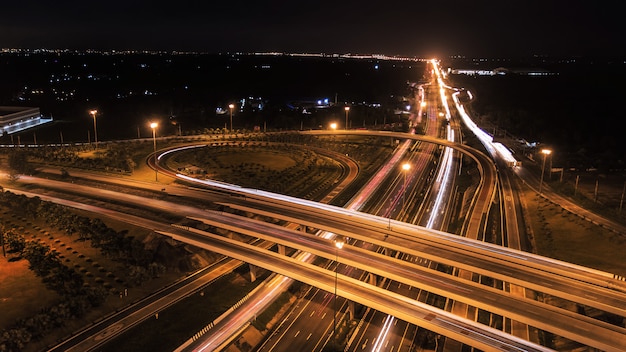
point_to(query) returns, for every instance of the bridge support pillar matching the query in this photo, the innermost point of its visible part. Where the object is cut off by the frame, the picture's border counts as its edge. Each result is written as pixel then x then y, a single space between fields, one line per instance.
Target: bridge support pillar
pixel 351 310
pixel 372 279
pixel 389 252
pixel 253 272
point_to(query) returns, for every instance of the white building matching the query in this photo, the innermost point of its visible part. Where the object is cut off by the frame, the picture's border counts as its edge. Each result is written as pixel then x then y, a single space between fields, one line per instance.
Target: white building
pixel 18 118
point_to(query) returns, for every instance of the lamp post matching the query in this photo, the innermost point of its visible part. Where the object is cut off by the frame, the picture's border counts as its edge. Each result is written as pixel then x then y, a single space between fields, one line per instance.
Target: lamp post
pixel 405 167
pixel 338 246
pixel 545 153
pixel 231 107
pixel 95 129
pixel 347 109
pixel 154 126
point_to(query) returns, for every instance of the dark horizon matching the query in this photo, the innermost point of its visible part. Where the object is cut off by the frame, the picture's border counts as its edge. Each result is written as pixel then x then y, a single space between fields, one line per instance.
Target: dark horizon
pixel 482 28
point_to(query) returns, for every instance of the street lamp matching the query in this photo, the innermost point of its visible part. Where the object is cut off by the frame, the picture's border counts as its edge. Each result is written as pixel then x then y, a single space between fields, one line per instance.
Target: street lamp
pixel 154 126
pixel 545 153
pixel 338 245
pixel 405 167
pixel 231 107
pixel 95 129
pixel 347 109
pixel 333 126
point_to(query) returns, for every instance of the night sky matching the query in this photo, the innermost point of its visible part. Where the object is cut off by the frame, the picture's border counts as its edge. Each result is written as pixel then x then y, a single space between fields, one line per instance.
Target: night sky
pixel 411 28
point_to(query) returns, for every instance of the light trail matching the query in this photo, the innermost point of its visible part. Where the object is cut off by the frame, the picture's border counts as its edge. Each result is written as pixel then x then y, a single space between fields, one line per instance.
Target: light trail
pixel 362 196
pixel 384 332
pixel 358 201
pixel 494 148
pixel 442 182
pixel 355 204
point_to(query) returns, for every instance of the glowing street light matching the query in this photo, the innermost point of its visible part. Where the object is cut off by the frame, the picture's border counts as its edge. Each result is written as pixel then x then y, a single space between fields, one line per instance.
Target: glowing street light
pixel 154 126
pixel 545 153
pixel 338 245
pixel 347 109
pixel 231 107
pixel 95 129
pixel 405 167
pixel 333 126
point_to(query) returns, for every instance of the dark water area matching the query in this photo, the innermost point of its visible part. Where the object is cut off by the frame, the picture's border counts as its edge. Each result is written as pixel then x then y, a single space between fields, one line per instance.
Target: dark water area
pixel 131 90
pixel 577 111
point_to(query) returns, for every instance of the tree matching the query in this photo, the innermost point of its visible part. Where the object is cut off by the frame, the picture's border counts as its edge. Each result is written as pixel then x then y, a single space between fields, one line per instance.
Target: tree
pixel 78 305
pixel 156 269
pixel 16 242
pixel 65 281
pixel 83 228
pixel 96 295
pixel 41 259
pixel 60 313
pixel 2 231
pixel 137 275
pixel 14 339
pixel 138 254
pixel 18 163
pixel 130 165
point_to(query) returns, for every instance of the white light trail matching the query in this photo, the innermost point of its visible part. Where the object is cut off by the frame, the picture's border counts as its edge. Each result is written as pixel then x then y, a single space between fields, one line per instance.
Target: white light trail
pixel 494 148
pixel 384 332
pixel 442 180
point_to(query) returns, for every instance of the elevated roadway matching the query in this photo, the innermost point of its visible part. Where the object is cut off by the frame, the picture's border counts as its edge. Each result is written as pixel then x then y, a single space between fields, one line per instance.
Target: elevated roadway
pixel 398 230
pixel 485 203
pixel 559 321
pixel 586 286
pixel 407 309
pixel 381 226
pixel 466 331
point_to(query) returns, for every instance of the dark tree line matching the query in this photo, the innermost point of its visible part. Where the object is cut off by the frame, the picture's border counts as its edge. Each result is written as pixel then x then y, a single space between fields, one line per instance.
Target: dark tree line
pixel 116 245
pixel 69 284
pixel 115 157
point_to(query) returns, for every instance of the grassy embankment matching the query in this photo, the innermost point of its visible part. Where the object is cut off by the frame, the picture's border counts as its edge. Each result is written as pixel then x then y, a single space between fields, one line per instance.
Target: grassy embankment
pixel 565 236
